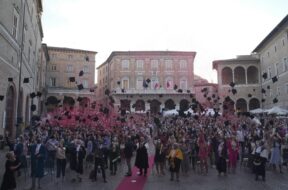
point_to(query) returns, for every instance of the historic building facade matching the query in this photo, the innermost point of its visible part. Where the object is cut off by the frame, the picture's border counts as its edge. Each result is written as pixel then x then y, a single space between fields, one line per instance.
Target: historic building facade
pixel 273 54
pixel 261 79
pixel 243 72
pixel 20 52
pixel 147 80
pixel 70 75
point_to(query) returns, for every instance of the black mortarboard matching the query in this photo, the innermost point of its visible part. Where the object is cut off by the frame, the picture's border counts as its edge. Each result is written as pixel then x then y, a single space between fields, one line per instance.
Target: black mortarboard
pixel 39 94
pixel 209 98
pixel 32 95
pixel 33 107
pixel 26 80
pixel 180 90
pixel 263 100
pixel 80 86
pixel 254 89
pixel 10 79
pixel 118 82
pixel 249 95
pixel 264 75
pixel 92 90
pixel 175 87
pixel 268 87
pixel 148 80
pixel 274 79
pixel 1 97
pixel 205 95
pixel 234 91
pixel 72 79
pixel 188 91
pixel 95 118
pixel 81 73
pixel 275 100
pixel 79 99
pixel 160 95
pixel 122 90
pixel 263 91
pixel 232 84
pixel 213 95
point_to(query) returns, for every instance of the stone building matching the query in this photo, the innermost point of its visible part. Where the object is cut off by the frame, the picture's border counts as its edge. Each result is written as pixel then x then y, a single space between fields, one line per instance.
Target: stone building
pixel 260 79
pixel 147 80
pixel 273 54
pixel 20 51
pixel 70 75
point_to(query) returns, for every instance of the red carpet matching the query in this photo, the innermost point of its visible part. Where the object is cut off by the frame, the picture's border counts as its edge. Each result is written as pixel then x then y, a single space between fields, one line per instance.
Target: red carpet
pixel 138 181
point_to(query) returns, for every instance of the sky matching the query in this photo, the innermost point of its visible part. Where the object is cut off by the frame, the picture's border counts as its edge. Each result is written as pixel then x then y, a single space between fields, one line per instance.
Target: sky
pixel 215 29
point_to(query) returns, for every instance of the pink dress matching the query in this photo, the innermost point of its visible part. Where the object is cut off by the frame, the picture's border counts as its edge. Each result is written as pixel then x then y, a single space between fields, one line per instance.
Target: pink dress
pixel 233 150
pixel 203 151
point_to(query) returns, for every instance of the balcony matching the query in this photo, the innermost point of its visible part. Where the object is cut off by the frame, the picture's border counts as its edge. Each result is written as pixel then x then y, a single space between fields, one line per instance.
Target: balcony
pixel 150 91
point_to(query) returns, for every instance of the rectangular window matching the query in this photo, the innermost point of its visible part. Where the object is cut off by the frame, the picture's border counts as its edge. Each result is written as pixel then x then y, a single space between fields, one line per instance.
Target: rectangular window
pixel 168 64
pixel 125 83
pixel 70 57
pixel 285 64
pixel 276 68
pixel 283 42
pixel 85 83
pixel 278 91
pixel 286 88
pixel 86 69
pixel 53 82
pixel 269 73
pixel 154 64
pixel 53 68
pixel 69 68
pixel 139 83
pixel 140 64
pixel 15 24
pixel 125 64
pixel 275 48
pixel 183 64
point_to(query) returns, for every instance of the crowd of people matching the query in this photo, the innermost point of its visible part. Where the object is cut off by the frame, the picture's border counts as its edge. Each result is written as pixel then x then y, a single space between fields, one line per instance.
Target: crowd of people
pixel 181 144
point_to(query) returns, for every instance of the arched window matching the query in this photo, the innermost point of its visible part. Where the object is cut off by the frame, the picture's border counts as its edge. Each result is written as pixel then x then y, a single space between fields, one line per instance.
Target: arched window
pixel 184 105
pixel 139 83
pixel 169 104
pixel 226 75
pixel 241 105
pixel 239 75
pixel 254 103
pixel 252 75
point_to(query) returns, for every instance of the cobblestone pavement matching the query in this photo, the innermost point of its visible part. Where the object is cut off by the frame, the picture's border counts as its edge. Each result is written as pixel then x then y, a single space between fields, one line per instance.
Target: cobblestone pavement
pixel 243 179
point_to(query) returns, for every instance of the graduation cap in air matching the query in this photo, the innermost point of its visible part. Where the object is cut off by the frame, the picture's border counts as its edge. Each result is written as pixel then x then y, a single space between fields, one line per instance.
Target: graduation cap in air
pixel 26 80
pixel 148 80
pixel 175 87
pixel 118 82
pixel 213 95
pixel 232 84
pixel 268 87
pixel 249 95
pixel 123 90
pixel 263 91
pixel 1 97
pixel 209 98
pixel 263 100
pixel 275 100
pixel 80 86
pixel 95 118
pixel 72 79
pixel 79 99
pixel 234 91
pixel 39 94
pixel 32 95
pixel 205 95
pixel 274 79
pixel 226 123
pixel 81 73
pixel 188 91
pixel 10 79
pixel 33 107
pixel 191 95
pixel 180 90
pixel 204 89
pixel 264 76
pixel 92 90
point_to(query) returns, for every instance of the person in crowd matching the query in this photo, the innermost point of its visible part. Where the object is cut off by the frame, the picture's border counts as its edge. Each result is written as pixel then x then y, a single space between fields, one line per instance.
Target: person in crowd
pixel 128 153
pixel 203 154
pixel 77 156
pixel 38 155
pixel 51 146
pixel 11 165
pixel 222 156
pixel 159 158
pixel 114 156
pixel 260 159
pixel 175 157
pixel 233 152
pixel 275 159
pixel 90 148
pixel 99 161
pixel 141 161
pixel 60 160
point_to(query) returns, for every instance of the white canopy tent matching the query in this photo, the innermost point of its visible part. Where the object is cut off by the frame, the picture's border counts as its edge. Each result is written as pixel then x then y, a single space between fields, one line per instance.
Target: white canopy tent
pixel 257 111
pixel 277 110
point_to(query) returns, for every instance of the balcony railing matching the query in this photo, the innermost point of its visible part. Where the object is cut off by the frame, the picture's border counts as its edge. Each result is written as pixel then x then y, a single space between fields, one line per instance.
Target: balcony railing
pixel 151 91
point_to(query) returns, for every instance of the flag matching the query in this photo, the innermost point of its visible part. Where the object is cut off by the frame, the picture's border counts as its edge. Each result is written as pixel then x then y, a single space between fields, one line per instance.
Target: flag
pixel 168 84
pixel 156 85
